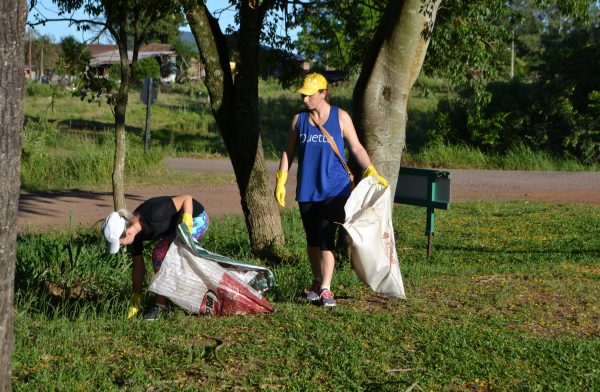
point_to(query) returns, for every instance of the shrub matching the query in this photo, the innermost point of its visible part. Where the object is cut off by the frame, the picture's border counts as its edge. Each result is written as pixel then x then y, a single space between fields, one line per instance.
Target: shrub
pixel 556 110
pixel 35 89
pixel 147 68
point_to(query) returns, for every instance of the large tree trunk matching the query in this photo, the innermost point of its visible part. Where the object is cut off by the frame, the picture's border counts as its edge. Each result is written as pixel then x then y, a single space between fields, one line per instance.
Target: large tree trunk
pixel 118 176
pixel 12 30
pixel 392 65
pixel 235 106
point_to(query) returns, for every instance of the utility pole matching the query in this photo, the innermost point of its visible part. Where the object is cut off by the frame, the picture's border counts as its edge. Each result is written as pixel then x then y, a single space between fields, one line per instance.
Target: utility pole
pixel 30 65
pixel 512 58
pixel 41 64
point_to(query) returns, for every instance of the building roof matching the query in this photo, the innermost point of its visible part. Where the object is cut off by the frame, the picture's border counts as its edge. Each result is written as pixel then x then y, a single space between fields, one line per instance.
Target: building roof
pixel 156 48
pixel 109 54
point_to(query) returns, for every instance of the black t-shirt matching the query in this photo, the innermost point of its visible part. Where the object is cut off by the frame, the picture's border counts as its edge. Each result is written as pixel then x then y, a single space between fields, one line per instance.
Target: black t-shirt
pixel 158 217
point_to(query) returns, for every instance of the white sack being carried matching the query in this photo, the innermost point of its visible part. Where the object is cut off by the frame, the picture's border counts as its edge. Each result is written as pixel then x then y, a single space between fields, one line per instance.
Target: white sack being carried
pixel 204 286
pixel 369 225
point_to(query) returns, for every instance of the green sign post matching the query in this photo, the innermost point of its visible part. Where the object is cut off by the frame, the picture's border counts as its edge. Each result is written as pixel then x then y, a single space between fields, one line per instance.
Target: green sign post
pixel 425 188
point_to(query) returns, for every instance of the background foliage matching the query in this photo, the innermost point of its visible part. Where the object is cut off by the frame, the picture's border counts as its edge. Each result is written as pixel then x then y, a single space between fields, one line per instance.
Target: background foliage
pixel 545 100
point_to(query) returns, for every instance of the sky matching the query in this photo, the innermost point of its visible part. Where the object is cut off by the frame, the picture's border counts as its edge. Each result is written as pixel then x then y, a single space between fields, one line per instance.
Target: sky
pixel 58 30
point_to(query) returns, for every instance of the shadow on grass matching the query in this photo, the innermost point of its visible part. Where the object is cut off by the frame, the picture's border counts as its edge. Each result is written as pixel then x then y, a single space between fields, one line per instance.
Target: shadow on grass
pixel 43 300
pixel 81 124
pixel 191 106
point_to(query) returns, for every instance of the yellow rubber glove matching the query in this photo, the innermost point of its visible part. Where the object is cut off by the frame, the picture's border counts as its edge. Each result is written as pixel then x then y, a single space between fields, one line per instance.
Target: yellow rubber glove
pixel 134 307
pixel 370 171
pixel 188 220
pixel 280 187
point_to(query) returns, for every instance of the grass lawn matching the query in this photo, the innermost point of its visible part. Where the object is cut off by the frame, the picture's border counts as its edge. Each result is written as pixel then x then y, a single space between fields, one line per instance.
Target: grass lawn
pixel 509 301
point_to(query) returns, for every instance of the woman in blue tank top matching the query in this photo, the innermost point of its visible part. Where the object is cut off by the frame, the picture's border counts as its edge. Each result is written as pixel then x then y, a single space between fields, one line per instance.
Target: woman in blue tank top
pixel 323 183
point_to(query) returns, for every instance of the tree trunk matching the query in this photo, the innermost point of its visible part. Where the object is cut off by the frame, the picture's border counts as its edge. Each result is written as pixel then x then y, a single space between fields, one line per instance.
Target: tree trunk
pixel 12 30
pixel 235 106
pixel 118 176
pixel 392 65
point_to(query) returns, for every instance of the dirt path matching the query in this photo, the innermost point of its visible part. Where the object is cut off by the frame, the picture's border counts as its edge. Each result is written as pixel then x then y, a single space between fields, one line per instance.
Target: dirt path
pixel 46 210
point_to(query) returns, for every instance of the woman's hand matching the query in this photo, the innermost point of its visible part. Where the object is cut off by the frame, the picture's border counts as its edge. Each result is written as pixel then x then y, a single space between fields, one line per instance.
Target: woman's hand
pixel 185 205
pixel 280 187
pixel 371 171
pixel 135 304
pixel 188 220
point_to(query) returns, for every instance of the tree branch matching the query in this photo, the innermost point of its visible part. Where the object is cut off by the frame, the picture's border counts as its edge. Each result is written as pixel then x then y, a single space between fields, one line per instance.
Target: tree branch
pixel 70 20
pixel 97 36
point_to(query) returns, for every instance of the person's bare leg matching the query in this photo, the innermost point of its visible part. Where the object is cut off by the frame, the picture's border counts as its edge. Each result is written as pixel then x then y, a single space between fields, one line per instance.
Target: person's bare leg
pixel 314 256
pixel 327 265
pixel 312 292
pixel 327 261
pixel 160 300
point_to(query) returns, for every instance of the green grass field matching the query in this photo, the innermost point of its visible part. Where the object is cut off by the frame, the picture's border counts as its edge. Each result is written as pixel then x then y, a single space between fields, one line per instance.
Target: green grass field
pixel 509 302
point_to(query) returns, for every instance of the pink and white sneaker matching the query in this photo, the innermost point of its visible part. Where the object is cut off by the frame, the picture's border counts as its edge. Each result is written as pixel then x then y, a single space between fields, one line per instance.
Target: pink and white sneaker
pixel 326 298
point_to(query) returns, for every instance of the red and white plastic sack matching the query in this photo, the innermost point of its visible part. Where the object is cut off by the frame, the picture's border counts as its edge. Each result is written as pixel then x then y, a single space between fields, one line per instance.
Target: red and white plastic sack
pixel 369 225
pixel 202 286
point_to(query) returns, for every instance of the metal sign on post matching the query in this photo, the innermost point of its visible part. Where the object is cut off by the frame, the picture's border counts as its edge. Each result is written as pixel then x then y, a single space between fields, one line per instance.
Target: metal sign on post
pixel 425 188
pixel 148 91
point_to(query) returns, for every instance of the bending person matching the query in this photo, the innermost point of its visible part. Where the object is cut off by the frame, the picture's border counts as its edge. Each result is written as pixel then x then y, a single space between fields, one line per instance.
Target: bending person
pixel 323 184
pixel 155 219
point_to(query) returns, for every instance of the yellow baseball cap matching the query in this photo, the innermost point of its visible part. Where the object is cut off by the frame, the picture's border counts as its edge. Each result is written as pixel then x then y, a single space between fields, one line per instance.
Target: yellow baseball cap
pixel 313 82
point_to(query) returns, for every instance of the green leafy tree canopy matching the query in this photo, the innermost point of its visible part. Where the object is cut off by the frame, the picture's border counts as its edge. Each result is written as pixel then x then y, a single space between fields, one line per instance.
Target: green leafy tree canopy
pixel 75 58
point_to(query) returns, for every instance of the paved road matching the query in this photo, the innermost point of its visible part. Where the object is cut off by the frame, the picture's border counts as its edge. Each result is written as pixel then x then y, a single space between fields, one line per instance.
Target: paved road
pixel 583 187
pixel 45 210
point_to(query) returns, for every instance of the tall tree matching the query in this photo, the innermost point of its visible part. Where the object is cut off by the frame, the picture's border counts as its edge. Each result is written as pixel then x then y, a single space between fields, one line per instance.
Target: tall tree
pixel 392 64
pixel 128 22
pixel 12 30
pixel 166 29
pixel 335 34
pixel 235 106
pixel 74 57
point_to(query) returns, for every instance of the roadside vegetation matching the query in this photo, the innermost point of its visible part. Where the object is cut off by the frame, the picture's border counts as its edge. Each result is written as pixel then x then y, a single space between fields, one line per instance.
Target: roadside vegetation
pixel 69 143
pixel 508 301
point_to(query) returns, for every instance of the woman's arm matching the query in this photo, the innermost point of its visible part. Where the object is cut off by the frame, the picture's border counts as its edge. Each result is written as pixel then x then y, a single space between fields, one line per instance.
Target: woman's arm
pixel 137 275
pixel 183 204
pixel 354 145
pixel 357 149
pixel 287 156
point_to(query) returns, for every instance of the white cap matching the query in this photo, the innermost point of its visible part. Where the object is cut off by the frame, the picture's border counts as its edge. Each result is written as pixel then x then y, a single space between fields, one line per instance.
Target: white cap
pixel 113 228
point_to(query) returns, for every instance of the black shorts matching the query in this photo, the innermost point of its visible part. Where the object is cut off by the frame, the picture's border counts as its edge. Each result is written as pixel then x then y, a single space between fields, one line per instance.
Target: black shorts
pixel 321 220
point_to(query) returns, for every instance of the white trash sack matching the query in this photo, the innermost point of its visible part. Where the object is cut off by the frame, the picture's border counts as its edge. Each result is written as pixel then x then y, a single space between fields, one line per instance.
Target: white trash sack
pixel 369 225
pixel 191 280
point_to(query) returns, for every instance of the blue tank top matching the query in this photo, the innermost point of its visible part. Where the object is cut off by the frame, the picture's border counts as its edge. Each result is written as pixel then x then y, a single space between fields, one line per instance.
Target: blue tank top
pixel 320 172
